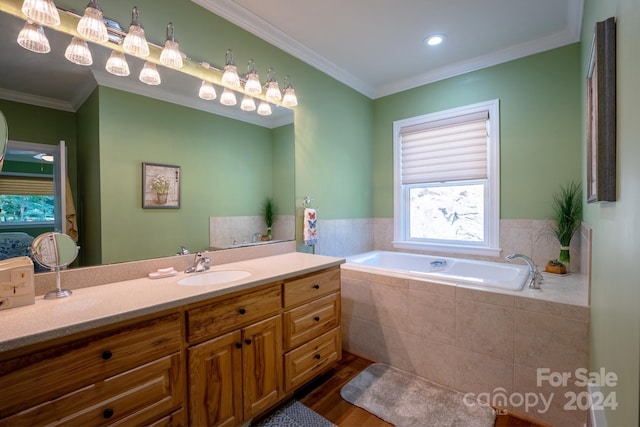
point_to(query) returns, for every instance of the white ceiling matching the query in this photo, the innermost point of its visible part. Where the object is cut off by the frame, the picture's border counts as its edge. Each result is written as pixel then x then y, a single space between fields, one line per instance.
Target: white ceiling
pixel 376 46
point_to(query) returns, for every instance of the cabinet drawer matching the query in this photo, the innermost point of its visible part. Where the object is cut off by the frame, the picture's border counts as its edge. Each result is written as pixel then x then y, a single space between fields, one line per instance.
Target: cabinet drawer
pixel 311 287
pixel 312 358
pixel 177 419
pixel 44 375
pixel 214 319
pixel 311 320
pixel 135 397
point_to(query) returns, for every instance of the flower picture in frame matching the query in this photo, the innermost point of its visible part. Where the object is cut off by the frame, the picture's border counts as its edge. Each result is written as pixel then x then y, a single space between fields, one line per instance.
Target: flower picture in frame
pixel 601 115
pixel 160 186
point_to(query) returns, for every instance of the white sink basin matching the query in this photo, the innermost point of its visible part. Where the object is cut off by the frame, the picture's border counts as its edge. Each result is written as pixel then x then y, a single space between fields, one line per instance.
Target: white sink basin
pixel 214 277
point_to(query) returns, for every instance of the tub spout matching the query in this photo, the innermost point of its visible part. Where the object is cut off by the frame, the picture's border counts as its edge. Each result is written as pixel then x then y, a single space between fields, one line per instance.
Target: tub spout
pixel 535 277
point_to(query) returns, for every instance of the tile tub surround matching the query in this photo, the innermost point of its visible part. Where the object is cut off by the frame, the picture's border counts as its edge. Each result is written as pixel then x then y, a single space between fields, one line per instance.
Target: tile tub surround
pixel 223 230
pixel 472 340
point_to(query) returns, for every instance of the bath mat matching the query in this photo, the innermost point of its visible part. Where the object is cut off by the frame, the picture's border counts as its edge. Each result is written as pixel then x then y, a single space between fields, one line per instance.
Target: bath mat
pixel 406 400
pixel 294 414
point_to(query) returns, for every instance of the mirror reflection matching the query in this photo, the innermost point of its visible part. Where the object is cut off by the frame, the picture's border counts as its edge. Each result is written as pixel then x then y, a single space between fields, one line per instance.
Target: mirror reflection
pixel 54 251
pixel 228 166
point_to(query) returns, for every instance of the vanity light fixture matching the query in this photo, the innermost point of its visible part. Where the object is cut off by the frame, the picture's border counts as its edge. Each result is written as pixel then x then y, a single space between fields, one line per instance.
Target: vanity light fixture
pixel 434 39
pixel 33 38
pixel 247 104
pixel 273 90
pixel 230 77
pixel 289 99
pixel 207 91
pixel 149 74
pixel 171 56
pixel 252 86
pixel 117 64
pixel 228 97
pixel 264 109
pixel 91 26
pixel 135 42
pixel 78 52
pixel 43 12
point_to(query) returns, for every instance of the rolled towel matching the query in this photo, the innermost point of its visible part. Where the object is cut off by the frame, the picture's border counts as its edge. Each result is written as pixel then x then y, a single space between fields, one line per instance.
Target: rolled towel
pixel 310 230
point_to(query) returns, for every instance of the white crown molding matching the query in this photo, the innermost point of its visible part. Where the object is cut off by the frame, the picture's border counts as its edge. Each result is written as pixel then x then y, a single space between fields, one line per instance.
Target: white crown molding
pixel 243 18
pixel 280 117
pixel 40 101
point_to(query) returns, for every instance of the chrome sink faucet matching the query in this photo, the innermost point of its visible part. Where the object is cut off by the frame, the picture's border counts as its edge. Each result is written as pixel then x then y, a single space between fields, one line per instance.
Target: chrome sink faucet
pixel 200 263
pixel 535 277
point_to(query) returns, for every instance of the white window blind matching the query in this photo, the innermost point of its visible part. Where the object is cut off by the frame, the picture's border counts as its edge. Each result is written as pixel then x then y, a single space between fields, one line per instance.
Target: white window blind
pixel 26 186
pixel 452 149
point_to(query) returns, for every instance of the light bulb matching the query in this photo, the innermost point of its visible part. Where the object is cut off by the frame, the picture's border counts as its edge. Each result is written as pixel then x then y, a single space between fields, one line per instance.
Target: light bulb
pixel 149 74
pixel 230 77
pixel 247 104
pixel 33 38
pixel 252 86
pixel 289 100
pixel 273 92
pixel 207 91
pixel 264 109
pixel 91 26
pixel 171 55
pixel 43 12
pixel 135 42
pixel 228 97
pixel 117 64
pixel 78 52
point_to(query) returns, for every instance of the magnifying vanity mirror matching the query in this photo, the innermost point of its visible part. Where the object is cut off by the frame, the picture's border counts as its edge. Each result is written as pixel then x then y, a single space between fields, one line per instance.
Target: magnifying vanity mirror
pixel 4 136
pixel 54 251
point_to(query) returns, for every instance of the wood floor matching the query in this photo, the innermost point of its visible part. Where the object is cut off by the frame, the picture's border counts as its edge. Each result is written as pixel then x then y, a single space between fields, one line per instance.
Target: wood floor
pixel 323 396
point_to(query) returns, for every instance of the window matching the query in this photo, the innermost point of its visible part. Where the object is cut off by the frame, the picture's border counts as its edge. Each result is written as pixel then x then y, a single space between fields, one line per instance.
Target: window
pixel 446 180
pixel 26 200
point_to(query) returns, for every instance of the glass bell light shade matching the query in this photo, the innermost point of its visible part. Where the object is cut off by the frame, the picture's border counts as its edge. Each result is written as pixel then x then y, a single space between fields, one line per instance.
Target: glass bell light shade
pixel 43 12
pixel 149 74
pixel 230 77
pixel 264 109
pixel 207 91
pixel 32 38
pixel 273 92
pixel 247 104
pixel 252 85
pixel 135 42
pixel 289 99
pixel 228 97
pixel 91 26
pixel 117 64
pixel 78 52
pixel 171 56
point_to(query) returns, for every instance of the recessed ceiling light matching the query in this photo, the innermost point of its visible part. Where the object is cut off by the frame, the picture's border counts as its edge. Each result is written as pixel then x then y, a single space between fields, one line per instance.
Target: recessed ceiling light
pixel 434 39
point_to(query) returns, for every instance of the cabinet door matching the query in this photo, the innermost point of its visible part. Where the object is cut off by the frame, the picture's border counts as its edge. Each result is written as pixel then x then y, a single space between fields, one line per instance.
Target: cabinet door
pixel 215 382
pixel 262 365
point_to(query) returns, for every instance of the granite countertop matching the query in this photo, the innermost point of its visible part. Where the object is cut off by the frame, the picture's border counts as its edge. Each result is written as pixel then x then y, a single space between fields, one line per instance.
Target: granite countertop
pixel 103 305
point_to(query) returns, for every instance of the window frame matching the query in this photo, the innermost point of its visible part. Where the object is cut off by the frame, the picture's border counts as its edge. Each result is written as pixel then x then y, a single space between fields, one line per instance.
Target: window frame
pixel 491 243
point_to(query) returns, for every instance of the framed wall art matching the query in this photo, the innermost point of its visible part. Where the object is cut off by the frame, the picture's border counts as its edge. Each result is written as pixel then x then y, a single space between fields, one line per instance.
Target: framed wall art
pixel 160 186
pixel 601 115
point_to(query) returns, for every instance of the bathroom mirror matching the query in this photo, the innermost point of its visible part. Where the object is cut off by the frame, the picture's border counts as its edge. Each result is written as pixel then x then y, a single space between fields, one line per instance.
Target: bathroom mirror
pixel 120 230
pixel 4 136
pixel 54 251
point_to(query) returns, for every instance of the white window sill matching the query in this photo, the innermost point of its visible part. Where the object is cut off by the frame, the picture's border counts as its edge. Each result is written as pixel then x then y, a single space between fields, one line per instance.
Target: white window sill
pixel 452 249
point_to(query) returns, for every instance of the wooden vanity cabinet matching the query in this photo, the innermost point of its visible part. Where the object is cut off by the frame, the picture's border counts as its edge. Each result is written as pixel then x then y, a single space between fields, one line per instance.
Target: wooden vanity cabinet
pixel 238 375
pixel 125 375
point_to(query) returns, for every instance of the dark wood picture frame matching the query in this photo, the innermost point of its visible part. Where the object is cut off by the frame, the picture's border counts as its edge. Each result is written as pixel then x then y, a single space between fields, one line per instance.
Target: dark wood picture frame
pixel 156 176
pixel 601 115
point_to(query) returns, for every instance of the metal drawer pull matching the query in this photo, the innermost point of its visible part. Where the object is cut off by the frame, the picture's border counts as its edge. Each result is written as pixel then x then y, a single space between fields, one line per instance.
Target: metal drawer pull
pixel 316 286
pixel 108 413
pixel 317 356
pixel 238 345
pixel 106 355
pixel 242 311
pixel 248 341
pixel 317 319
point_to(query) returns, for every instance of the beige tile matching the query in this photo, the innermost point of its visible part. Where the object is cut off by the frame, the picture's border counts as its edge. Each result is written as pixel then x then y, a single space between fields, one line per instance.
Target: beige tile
pixel 553 308
pixel 478 373
pixel 434 361
pixel 388 280
pixel 485 328
pixel 432 316
pixel 484 297
pixel 432 287
pixel 364 339
pixel 389 306
pixel 356 298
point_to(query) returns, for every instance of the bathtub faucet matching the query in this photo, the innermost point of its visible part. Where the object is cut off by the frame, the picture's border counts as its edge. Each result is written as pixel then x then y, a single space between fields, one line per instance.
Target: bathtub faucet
pixel 534 275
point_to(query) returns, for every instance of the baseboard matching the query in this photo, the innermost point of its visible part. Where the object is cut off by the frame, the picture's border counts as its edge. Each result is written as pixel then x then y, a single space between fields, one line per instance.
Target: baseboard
pixel 596 416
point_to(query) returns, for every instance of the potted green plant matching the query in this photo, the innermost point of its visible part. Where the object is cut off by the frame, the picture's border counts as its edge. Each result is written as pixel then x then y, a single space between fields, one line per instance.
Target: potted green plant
pixel 269 212
pixel 567 215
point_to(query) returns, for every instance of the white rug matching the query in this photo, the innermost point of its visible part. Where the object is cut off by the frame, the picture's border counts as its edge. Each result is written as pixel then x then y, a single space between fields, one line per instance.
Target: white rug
pixel 294 414
pixel 406 400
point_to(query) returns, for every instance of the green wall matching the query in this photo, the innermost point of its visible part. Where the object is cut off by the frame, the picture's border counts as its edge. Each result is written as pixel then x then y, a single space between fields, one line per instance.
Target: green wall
pixel 615 293
pixel 540 122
